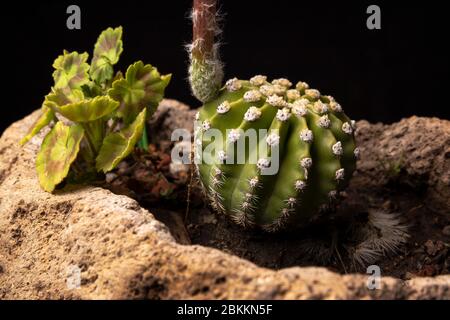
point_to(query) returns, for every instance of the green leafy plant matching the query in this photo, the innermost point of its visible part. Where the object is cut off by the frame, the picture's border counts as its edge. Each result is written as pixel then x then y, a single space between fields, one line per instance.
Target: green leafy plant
pixel 99 116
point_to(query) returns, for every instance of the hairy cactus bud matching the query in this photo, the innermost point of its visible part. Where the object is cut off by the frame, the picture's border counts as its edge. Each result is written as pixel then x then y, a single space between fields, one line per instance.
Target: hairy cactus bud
pixel 313 137
pixel 205 69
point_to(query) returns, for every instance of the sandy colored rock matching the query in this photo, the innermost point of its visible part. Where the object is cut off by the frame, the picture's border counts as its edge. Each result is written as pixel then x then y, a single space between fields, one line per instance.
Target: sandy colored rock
pixel 121 251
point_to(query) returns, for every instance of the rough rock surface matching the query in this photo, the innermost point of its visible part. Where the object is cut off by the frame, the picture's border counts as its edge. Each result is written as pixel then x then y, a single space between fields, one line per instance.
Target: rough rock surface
pixel 119 250
pixel 416 149
pixel 169 116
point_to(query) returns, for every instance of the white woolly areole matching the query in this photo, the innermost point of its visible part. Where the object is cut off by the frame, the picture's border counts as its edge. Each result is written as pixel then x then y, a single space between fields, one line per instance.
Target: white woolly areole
pixel 324 121
pixel 291 201
pixel 252 96
pixel 249 196
pixel 233 84
pixel 302 102
pixel 221 155
pixel 306 163
pixel 206 125
pixel 215 181
pixel 217 172
pixel 340 174
pixel 330 98
pixel 300 185
pixel 314 93
pixel 292 94
pixel 279 89
pixel 234 135
pixel 337 149
pixel 253 182
pixel 356 152
pixel 283 114
pixel 347 128
pixel 197 116
pixel 273 139
pixel 282 82
pixel 276 101
pixel 252 114
pixel 263 163
pixel 353 124
pixel 267 90
pixel 299 109
pixel 306 135
pixel 258 80
pixel 301 85
pixel 332 194
pixel 245 205
pixel 336 107
pixel 320 107
pixel 224 107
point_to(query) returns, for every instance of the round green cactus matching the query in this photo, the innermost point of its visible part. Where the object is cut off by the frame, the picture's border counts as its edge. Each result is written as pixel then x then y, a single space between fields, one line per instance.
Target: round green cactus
pixel 312 136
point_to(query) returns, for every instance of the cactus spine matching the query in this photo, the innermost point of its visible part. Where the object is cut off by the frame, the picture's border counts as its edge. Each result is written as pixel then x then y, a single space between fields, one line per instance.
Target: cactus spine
pixel 312 135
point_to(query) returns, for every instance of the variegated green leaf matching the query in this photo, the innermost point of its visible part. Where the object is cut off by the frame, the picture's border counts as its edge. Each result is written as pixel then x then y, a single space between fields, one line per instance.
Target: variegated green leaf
pixel 58 150
pixel 71 70
pixel 46 117
pixel 89 109
pixel 61 97
pixel 116 146
pixel 107 51
pixel 143 87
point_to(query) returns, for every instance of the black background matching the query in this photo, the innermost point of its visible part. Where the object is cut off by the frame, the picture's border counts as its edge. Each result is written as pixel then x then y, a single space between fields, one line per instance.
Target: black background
pixel 378 75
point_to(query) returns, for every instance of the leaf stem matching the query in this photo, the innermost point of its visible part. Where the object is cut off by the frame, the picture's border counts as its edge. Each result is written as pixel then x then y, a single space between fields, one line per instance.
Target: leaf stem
pixel 77 168
pixel 143 143
pixel 90 142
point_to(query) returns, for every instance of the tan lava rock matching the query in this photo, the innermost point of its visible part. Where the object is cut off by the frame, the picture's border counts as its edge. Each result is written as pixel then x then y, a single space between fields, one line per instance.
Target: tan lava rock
pixel 118 250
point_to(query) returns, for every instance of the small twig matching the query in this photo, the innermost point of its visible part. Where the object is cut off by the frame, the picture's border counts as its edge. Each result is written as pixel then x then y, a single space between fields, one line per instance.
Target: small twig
pixel 340 259
pixel 334 244
pixel 188 197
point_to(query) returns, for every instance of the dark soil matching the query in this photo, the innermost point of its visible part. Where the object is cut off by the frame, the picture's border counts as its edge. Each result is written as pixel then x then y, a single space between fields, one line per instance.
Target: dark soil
pixel 148 179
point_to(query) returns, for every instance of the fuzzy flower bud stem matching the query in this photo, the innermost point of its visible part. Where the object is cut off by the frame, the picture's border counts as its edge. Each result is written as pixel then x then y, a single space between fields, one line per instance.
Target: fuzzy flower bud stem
pixel 203 17
pixel 205 70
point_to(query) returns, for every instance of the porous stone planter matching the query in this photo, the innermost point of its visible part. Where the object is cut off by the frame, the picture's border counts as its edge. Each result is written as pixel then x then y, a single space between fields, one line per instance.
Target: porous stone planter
pixel 120 251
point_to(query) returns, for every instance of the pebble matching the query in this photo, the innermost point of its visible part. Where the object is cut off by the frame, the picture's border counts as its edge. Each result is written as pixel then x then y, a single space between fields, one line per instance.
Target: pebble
pixel 409 275
pixel 110 177
pixel 446 230
pixel 433 247
pixel 210 219
pixel 122 167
